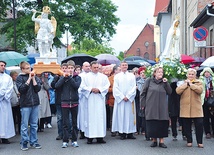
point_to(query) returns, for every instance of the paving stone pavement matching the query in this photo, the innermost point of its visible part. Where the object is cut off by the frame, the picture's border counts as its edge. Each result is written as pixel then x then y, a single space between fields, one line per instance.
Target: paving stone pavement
pixel 114 146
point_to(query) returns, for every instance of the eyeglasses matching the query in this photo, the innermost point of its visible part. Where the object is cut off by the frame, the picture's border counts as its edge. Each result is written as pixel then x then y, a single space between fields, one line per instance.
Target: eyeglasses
pixel 27 68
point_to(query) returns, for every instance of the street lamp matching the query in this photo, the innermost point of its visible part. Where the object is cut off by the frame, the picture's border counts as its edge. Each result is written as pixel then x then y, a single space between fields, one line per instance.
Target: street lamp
pixel 67 29
pixel 14 23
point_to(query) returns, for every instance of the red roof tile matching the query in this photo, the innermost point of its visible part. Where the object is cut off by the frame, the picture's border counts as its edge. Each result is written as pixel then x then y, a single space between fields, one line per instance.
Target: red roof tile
pixel 161 6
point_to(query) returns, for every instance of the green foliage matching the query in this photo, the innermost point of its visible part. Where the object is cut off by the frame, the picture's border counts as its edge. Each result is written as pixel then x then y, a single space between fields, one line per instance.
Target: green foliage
pixel 172 70
pixel 91 47
pixel 92 19
pixel 120 56
pixel 4 9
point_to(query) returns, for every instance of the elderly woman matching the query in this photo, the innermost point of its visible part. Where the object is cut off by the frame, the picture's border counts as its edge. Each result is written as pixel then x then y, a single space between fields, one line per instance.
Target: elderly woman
pixel 154 99
pixel 191 107
pixel 207 79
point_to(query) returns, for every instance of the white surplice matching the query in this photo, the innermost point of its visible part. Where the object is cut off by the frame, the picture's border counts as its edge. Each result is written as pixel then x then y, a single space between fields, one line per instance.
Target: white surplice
pixel 95 123
pixel 81 117
pixel 6 117
pixel 124 113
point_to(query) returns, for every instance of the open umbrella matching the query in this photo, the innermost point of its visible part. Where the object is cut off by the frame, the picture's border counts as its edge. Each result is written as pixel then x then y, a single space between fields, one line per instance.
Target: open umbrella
pixel 107 59
pixel 134 58
pixel 79 58
pixel 186 59
pixel 133 64
pixel 198 59
pixel 208 62
pixel 12 58
pixel 200 69
pixel 152 62
pixel 31 57
pixel 143 62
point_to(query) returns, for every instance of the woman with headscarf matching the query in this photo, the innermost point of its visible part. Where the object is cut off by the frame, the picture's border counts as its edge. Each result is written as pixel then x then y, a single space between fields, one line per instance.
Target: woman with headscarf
pixel 206 76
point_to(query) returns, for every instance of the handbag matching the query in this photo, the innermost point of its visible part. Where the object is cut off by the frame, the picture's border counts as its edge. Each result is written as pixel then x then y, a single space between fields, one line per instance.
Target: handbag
pixel 210 99
pixel 210 102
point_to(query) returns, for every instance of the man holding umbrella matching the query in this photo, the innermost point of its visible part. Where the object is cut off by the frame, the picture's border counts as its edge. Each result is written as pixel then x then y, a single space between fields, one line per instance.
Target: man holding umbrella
pixel 6 117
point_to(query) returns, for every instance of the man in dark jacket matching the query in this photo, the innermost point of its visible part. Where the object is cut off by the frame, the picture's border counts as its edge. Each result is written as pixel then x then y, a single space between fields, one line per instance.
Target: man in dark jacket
pixel 69 103
pixel 28 86
pixel 58 92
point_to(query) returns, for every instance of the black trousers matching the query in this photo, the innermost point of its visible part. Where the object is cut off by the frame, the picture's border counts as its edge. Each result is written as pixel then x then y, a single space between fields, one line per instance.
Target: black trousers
pixel 208 120
pixel 17 117
pixel 66 123
pixel 41 123
pixel 187 126
pixel 174 120
pixel 108 116
pixel 111 114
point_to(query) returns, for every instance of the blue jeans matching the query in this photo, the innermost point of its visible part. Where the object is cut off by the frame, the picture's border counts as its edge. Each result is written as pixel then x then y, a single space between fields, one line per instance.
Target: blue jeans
pixel 29 117
pixel 59 119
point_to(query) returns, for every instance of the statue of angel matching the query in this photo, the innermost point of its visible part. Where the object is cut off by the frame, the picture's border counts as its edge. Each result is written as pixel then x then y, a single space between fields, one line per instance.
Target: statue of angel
pixel 45 30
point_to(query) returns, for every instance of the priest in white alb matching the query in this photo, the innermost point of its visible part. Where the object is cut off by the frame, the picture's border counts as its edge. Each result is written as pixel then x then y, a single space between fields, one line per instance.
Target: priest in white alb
pixel 124 114
pixel 81 117
pixel 6 118
pixel 95 87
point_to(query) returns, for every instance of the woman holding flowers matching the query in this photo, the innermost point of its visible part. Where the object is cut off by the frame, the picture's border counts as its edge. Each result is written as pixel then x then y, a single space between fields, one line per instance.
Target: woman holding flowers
pixel 191 107
pixel 154 100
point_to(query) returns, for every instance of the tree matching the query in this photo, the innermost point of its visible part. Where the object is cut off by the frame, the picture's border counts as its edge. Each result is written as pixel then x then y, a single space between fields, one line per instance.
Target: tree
pixel 121 56
pixel 3 9
pixel 92 48
pixel 93 19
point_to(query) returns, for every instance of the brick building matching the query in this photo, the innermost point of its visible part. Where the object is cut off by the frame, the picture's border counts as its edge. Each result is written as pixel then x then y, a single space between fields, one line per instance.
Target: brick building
pixel 143 45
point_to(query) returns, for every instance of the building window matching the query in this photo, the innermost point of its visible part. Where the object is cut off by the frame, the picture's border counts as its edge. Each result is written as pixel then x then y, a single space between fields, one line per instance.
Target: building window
pixel 146 55
pixel 138 52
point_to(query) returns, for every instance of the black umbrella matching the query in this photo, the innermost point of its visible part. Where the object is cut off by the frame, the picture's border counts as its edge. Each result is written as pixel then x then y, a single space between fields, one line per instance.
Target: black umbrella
pixel 133 64
pixel 79 58
pixel 133 58
pixel 200 69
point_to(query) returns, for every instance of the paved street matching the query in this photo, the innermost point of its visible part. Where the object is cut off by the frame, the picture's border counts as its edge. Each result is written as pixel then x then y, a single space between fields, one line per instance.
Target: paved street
pixel 114 146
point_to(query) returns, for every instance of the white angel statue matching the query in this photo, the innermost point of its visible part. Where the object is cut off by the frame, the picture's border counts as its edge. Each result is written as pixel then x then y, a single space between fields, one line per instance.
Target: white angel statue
pixel 172 46
pixel 45 30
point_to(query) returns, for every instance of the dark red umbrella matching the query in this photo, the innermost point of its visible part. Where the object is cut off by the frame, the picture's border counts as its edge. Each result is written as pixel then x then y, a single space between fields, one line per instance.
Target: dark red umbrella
pixel 186 59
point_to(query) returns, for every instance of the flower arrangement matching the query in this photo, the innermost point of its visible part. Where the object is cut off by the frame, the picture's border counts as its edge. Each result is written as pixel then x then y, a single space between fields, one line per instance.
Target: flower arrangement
pixel 173 70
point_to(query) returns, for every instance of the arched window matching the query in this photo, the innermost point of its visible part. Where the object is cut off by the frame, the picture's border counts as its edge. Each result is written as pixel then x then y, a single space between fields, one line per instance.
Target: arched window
pixel 146 55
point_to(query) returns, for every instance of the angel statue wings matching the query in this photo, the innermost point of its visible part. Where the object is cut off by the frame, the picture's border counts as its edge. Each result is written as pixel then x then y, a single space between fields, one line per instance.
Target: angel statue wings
pixel 172 46
pixel 45 30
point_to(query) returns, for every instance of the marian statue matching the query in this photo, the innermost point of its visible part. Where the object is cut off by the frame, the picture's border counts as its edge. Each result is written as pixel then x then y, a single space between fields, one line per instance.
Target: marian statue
pixel 45 30
pixel 172 46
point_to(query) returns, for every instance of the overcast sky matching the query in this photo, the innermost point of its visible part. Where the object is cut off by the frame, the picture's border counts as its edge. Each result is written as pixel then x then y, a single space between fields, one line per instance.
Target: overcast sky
pixel 133 14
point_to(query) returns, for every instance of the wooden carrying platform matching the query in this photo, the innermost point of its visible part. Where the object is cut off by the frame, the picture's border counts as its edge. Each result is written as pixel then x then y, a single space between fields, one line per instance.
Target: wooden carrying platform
pixel 40 67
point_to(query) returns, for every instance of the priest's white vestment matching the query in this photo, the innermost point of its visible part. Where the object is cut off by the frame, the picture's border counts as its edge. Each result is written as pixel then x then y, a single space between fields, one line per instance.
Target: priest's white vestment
pixel 124 113
pixel 95 123
pixel 81 117
pixel 6 118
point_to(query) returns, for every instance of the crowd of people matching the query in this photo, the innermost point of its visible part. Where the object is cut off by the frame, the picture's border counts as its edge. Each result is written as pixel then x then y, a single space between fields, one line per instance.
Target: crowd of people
pixel 87 101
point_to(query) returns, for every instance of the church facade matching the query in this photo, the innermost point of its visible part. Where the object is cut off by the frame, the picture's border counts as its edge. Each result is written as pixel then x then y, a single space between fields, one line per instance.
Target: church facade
pixel 143 45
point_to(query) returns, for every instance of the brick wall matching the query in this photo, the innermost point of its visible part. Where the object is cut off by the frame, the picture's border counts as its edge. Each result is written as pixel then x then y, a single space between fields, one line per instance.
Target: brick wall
pixel 139 47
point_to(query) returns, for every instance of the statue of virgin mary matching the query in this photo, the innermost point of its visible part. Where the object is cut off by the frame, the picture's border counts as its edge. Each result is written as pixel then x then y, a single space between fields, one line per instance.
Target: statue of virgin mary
pixel 172 49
